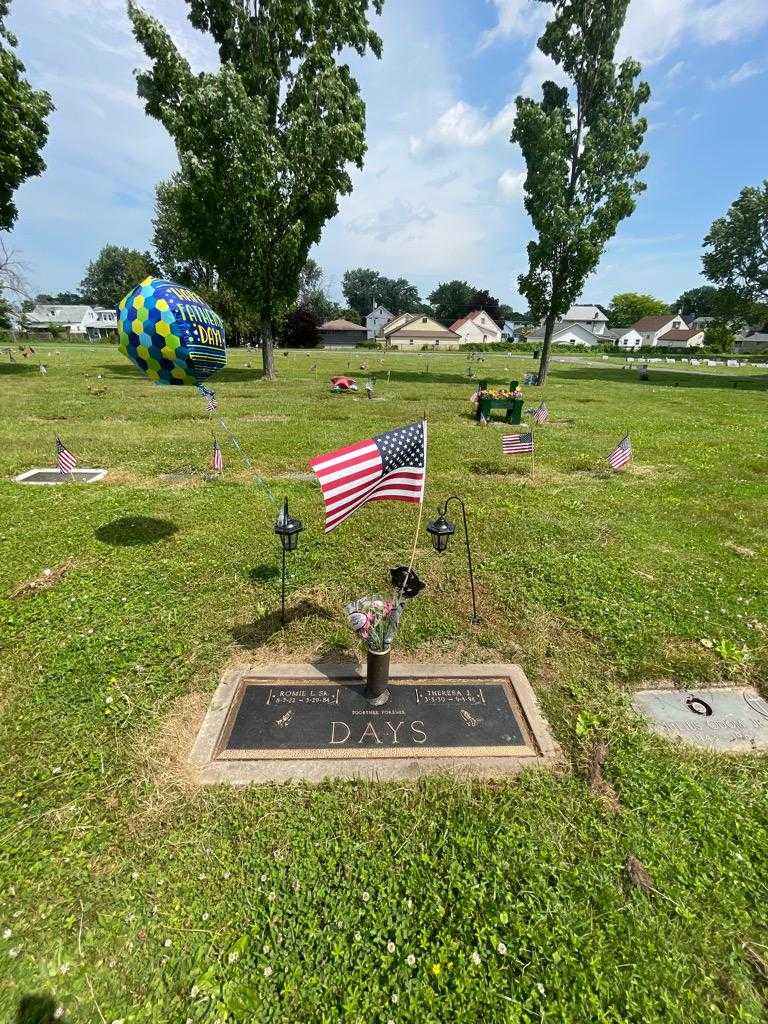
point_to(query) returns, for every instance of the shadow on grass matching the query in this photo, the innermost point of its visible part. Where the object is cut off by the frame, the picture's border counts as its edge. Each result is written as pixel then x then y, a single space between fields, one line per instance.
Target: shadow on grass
pixel 229 373
pixel 264 573
pixel 254 634
pixel 499 469
pixel 661 378
pixel 417 377
pixel 37 1009
pixel 6 369
pixel 132 531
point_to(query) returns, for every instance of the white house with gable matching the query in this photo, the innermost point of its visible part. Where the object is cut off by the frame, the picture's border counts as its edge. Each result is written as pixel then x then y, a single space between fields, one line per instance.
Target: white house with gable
pixel 624 337
pixel 591 317
pixel 567 334
pixel 652 328
pixel 377 320
pixel 91 321
pixel 476 328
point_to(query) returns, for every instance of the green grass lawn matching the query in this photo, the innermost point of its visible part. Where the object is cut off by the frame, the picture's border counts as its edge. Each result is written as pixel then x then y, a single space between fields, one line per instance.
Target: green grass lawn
pixel 128 895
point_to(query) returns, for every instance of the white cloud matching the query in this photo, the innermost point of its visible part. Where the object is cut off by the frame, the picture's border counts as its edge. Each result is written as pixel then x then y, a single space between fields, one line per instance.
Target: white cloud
pixel 749 69
pixel 510 184
pixel 539 68
pixel 393 219
pixel 675 70
pixel 656 27
pixel 515 18
pixel 653 27
pixel 462 125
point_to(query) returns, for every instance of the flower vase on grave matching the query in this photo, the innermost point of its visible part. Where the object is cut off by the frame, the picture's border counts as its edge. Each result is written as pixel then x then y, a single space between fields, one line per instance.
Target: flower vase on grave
pixel 377 677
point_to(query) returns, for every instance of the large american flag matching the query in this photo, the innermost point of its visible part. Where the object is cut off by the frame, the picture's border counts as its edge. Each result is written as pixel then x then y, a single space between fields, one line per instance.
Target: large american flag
pixel 218 458
pixel 620 455
pixel 65 460
pixel 541 415
pixel 391 466
pixel 517 444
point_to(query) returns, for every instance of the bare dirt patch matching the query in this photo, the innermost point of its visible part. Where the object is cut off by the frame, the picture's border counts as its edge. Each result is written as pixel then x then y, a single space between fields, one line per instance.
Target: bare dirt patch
pixel 742 552
pixel 161 759
pixel 47 579
pixel 636 469
pixel 598 784
pixel 263 419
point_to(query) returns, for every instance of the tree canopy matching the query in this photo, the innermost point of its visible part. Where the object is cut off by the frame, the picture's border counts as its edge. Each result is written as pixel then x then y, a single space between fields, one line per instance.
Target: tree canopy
pixel 264 142
pixel 582 160
pixel 482 299
pixel 627 308
pixel 23 127
pixel 300 329
pixel 736 254
pixel 364 289
pixel 173 243
pixel 702 301
pixel 451 300
pixel 115 271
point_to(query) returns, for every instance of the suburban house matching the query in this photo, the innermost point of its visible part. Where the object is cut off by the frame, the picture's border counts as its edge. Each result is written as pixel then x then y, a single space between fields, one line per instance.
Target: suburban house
pixel 341 334
pixel 684 338
pixel 651 328
pixel 624 337
pixel 567 334
pixel 476 328
pixel 757 341
pixel 581 325
pixel 377 319
pixel 512 331
pixel 591 317
pixel 92 321
pixel 414 331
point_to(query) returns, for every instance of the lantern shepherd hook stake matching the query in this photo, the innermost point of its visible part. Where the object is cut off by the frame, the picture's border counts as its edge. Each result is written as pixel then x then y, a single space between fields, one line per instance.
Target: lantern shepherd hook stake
pixel 441 530
pixel 288 529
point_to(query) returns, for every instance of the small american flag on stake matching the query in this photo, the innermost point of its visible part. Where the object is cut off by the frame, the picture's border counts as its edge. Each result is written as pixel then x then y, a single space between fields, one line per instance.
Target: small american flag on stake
pixel 218 458
pixel 210 398
pixel 620 455
pixel 541 415
pixel 391 466
pixel 65 460
pixel 517 444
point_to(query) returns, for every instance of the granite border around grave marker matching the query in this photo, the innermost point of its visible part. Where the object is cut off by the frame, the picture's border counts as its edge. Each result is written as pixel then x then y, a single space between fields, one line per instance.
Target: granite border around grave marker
pixel 214 760
pixel 51 477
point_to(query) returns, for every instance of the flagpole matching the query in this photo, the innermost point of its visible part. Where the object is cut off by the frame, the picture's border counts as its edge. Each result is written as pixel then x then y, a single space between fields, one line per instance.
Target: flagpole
pixel 418 523
pixel 533 457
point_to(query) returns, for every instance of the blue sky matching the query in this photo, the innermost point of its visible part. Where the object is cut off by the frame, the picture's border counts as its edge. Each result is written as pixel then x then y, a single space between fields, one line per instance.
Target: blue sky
pixel 440 194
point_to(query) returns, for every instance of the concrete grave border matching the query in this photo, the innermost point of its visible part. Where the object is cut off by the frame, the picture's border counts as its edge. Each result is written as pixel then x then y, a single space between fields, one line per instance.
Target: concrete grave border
pixel 208 768
pixel 76 476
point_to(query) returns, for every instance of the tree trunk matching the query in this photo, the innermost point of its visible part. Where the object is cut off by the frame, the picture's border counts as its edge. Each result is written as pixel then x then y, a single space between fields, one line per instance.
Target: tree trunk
pixel 267 351
pixel 549 326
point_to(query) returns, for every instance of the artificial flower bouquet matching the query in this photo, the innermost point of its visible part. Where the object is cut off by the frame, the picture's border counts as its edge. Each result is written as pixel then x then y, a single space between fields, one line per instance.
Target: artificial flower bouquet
pixel 497 393
pixel 375 619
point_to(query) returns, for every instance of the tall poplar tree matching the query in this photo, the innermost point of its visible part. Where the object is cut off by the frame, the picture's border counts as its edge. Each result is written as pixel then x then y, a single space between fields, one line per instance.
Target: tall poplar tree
pixel 582 150
pixel 264 143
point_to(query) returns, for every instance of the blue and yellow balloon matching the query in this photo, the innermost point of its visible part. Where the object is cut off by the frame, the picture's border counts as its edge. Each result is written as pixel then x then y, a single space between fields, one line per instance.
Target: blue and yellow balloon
pixel 170 333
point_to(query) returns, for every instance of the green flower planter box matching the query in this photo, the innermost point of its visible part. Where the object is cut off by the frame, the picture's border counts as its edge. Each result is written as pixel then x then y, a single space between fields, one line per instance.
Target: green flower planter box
pixel 513 406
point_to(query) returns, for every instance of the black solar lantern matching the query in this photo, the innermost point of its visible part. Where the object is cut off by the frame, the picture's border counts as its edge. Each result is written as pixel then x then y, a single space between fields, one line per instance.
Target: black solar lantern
pixel 441 530
pixel 287 529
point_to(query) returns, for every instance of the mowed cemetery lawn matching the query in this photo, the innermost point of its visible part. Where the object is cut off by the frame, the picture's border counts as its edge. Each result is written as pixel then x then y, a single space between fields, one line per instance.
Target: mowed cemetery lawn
pixel 128 895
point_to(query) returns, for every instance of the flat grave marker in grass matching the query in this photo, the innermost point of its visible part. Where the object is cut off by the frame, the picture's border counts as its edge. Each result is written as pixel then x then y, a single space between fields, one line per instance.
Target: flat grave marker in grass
pixel 731 720
pixel 51 476
pixel 282 722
